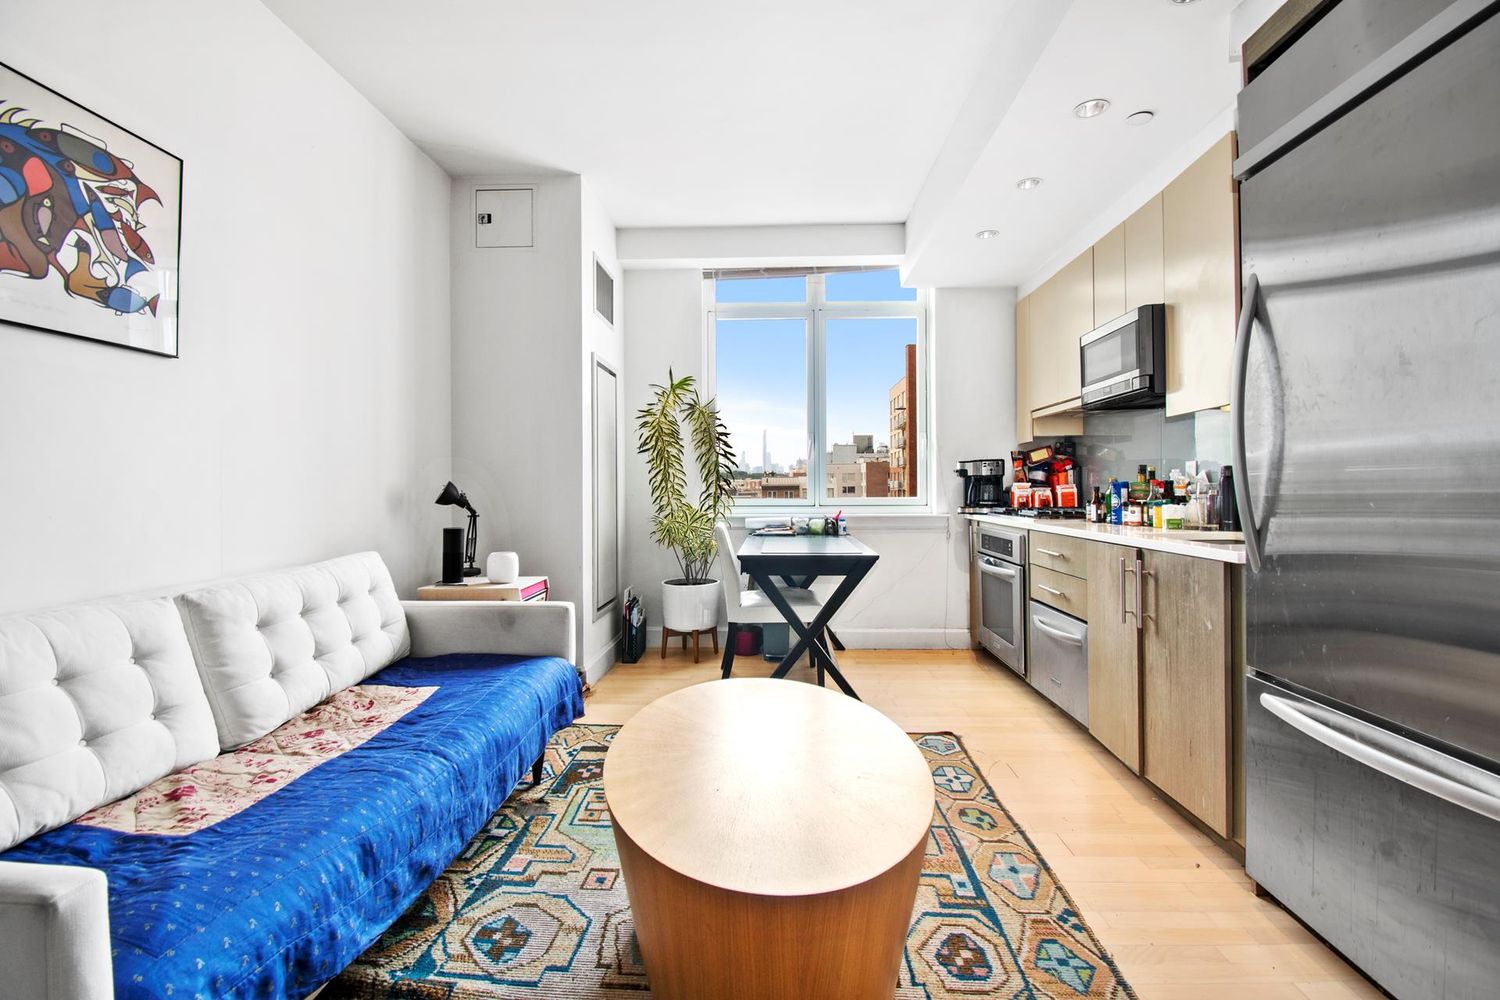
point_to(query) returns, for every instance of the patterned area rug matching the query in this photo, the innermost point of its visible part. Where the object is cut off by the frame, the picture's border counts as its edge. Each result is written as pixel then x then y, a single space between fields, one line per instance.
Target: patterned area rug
pixel 536 906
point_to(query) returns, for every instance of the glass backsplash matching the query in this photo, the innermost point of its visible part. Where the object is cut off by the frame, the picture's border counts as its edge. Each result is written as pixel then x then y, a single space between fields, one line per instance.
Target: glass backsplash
pixel 1114 443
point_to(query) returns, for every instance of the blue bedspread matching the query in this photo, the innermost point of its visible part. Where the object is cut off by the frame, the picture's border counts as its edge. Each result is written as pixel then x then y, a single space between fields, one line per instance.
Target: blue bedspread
pixel 275 900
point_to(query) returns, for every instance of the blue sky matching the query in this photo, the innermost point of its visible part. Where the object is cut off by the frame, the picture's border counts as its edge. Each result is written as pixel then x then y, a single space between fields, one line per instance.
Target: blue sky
pixel 762 367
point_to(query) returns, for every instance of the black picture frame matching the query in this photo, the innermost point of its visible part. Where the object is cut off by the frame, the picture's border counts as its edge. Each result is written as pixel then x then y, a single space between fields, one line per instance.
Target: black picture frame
pixel 171 202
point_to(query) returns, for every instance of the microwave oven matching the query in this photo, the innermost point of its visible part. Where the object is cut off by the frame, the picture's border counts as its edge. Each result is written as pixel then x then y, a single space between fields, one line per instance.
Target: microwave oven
pixel 1124 362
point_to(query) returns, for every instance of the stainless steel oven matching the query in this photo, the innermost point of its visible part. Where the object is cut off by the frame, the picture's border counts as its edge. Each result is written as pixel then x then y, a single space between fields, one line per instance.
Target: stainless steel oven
pixel 1124 362
pixel 1000 588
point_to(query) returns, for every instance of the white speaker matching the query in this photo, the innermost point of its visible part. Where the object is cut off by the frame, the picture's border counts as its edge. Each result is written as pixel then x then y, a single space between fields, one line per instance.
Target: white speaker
pixel 502 567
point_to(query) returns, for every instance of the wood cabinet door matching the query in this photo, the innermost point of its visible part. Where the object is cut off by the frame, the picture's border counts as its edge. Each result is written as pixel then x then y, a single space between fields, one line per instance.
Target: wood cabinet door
pixel 1144 261
pixel 1023 369
pixel 1109 276
pixel 1075 317
pixel 1201 253
pixel 1114 643
pixel 1185 693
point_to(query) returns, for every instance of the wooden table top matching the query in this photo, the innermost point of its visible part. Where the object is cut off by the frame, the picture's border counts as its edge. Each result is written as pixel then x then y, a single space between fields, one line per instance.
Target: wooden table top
pixel 768 787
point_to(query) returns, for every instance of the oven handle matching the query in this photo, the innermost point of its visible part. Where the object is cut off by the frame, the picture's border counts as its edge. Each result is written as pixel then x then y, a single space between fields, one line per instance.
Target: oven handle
pixel 995 569
pixel 1066 637
pixel 1410 763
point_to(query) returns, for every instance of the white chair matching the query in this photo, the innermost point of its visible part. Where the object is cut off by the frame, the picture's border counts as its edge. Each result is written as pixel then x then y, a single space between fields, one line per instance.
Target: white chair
pixel 752 607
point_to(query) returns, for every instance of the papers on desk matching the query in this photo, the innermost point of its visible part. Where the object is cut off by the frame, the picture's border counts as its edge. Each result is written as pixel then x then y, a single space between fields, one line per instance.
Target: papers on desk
pixel 774 530
pixel 827 545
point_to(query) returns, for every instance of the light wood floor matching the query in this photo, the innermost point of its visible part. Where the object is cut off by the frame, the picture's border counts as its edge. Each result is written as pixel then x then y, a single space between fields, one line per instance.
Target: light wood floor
pixel 1177 913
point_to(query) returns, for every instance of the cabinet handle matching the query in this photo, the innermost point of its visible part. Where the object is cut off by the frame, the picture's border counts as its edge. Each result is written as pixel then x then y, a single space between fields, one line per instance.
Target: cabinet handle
pixel 1043 586
pixel 1125 612
pixel 1049 552
pixel 1140 596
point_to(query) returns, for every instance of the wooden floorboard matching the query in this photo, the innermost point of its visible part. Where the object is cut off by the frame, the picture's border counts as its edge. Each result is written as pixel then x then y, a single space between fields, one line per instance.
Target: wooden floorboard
pixel 1174 909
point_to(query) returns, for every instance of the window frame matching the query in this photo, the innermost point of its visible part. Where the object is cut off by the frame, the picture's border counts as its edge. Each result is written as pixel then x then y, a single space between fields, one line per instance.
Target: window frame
pixel 816 312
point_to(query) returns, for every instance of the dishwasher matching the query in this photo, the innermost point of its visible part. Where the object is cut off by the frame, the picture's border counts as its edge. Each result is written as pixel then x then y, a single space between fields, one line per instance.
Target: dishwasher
pixel 1060 659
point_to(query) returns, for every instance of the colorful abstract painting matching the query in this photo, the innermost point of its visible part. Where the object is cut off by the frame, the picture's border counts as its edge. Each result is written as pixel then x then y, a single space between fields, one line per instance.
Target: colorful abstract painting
pixel 89 220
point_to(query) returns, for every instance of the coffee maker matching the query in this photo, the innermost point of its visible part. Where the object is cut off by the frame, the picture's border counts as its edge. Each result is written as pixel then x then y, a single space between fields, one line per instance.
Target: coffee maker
pixel 984 484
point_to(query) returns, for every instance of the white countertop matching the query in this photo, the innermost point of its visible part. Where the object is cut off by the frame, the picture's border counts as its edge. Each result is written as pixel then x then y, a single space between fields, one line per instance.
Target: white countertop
pixel 1181 543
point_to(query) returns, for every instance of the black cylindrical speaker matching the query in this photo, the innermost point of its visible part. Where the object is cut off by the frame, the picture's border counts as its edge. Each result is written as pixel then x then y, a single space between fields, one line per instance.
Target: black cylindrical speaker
pixel 453 555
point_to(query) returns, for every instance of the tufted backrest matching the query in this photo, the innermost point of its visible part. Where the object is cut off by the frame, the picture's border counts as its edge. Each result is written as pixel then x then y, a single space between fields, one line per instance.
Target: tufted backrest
pixel 96 701
pixel 272 646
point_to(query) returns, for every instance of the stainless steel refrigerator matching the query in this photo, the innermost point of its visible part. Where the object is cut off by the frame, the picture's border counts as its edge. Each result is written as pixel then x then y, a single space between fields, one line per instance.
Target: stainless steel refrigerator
pixel 1367 412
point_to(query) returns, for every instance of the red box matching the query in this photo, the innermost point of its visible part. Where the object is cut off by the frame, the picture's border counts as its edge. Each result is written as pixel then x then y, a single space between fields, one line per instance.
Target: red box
pixel 1067 495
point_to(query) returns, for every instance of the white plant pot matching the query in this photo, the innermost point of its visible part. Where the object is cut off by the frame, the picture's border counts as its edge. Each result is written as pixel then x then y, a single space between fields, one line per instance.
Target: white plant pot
pixel 689 607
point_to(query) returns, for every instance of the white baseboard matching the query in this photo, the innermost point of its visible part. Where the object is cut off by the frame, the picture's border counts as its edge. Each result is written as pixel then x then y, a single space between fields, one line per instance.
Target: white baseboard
pixel 596 668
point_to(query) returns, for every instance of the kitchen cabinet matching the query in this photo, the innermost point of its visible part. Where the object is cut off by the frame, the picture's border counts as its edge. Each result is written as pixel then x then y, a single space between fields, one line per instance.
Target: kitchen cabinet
pixel 1023 369
pixel 1109 276
pixel 1185 690
pixel 1200 253
pixel 1114 652
pixel 1159 682
pixel 1062 310
pixel 1144 258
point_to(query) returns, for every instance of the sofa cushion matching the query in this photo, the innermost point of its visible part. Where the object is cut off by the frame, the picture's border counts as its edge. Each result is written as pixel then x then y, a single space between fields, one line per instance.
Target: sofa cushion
pixel 96 701
pixel 277 897
pixel 271 646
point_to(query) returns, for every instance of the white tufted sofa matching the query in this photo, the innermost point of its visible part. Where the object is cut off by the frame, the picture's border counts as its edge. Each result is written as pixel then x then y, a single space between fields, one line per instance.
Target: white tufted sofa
pixel 99 700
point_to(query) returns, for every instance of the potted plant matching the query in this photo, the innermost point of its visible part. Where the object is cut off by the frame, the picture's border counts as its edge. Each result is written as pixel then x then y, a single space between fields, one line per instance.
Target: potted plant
pixel 690 602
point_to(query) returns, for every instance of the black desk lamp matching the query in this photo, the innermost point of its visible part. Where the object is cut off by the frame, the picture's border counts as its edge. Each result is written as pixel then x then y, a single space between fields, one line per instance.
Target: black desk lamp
pixel 452 496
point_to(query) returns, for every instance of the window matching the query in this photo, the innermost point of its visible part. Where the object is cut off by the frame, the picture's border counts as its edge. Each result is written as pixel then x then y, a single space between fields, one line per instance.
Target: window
pixel 817 377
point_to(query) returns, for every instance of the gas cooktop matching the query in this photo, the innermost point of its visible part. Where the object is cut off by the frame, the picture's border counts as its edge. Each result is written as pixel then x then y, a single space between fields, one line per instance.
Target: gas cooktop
pixel 1041 513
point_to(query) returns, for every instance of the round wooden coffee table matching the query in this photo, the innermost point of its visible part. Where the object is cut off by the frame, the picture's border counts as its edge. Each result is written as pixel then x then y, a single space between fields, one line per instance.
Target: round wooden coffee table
pixel 771 834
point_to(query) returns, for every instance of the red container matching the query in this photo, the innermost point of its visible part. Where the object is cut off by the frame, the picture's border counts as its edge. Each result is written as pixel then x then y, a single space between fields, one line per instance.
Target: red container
pixel 747 641
pixel 1067 495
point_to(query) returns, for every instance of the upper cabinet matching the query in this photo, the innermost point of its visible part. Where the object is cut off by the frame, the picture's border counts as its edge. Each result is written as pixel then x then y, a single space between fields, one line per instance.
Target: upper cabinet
pixel 1062 310
pixel 1200 250
pixel 1109 276
pixel 1144 259
pixel 1023 366
pixel 1181 248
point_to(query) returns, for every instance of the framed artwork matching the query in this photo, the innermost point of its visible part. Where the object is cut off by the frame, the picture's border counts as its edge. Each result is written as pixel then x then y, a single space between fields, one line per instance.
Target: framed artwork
pixel 90 223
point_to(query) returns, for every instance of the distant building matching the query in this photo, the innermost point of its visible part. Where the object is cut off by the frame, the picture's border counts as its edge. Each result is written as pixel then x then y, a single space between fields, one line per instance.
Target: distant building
pixel 784 487
pixel 903 465
pixel 858 469
pixel 748 488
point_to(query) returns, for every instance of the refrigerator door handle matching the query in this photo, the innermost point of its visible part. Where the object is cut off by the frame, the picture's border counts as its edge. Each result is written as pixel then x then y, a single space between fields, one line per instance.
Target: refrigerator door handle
pixel 1237 411
pixel 1410 763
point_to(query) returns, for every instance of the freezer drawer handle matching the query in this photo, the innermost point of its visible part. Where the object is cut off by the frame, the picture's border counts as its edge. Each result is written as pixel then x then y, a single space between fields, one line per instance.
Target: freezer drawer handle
pixel 1237 410
pixel 1071 640
pixel 1410 763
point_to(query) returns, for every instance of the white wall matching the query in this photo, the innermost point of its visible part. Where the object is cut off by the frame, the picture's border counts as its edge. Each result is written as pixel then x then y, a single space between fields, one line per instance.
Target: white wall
pixel 308 414
pixel 663 329
pixel 524 333
pixel 917 595
pixel 598 650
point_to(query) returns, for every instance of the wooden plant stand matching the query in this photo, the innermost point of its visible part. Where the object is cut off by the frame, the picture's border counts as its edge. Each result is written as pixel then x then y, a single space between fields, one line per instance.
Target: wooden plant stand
pixel 667 633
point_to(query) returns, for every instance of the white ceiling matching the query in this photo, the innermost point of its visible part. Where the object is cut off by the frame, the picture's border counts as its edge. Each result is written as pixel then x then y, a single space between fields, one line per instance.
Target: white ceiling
pixel 693 113
pixel 1141 55
pixel 677 112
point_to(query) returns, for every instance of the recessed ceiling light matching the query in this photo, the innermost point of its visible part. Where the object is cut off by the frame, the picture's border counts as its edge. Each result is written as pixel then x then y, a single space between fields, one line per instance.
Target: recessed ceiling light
pixel 1140 118
pixel 1183 3
pixel 1027 183
pixel 986 234
pixel 1091 109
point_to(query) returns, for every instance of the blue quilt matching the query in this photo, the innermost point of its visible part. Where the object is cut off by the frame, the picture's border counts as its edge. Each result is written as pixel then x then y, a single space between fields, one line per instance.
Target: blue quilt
pixel 274 900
